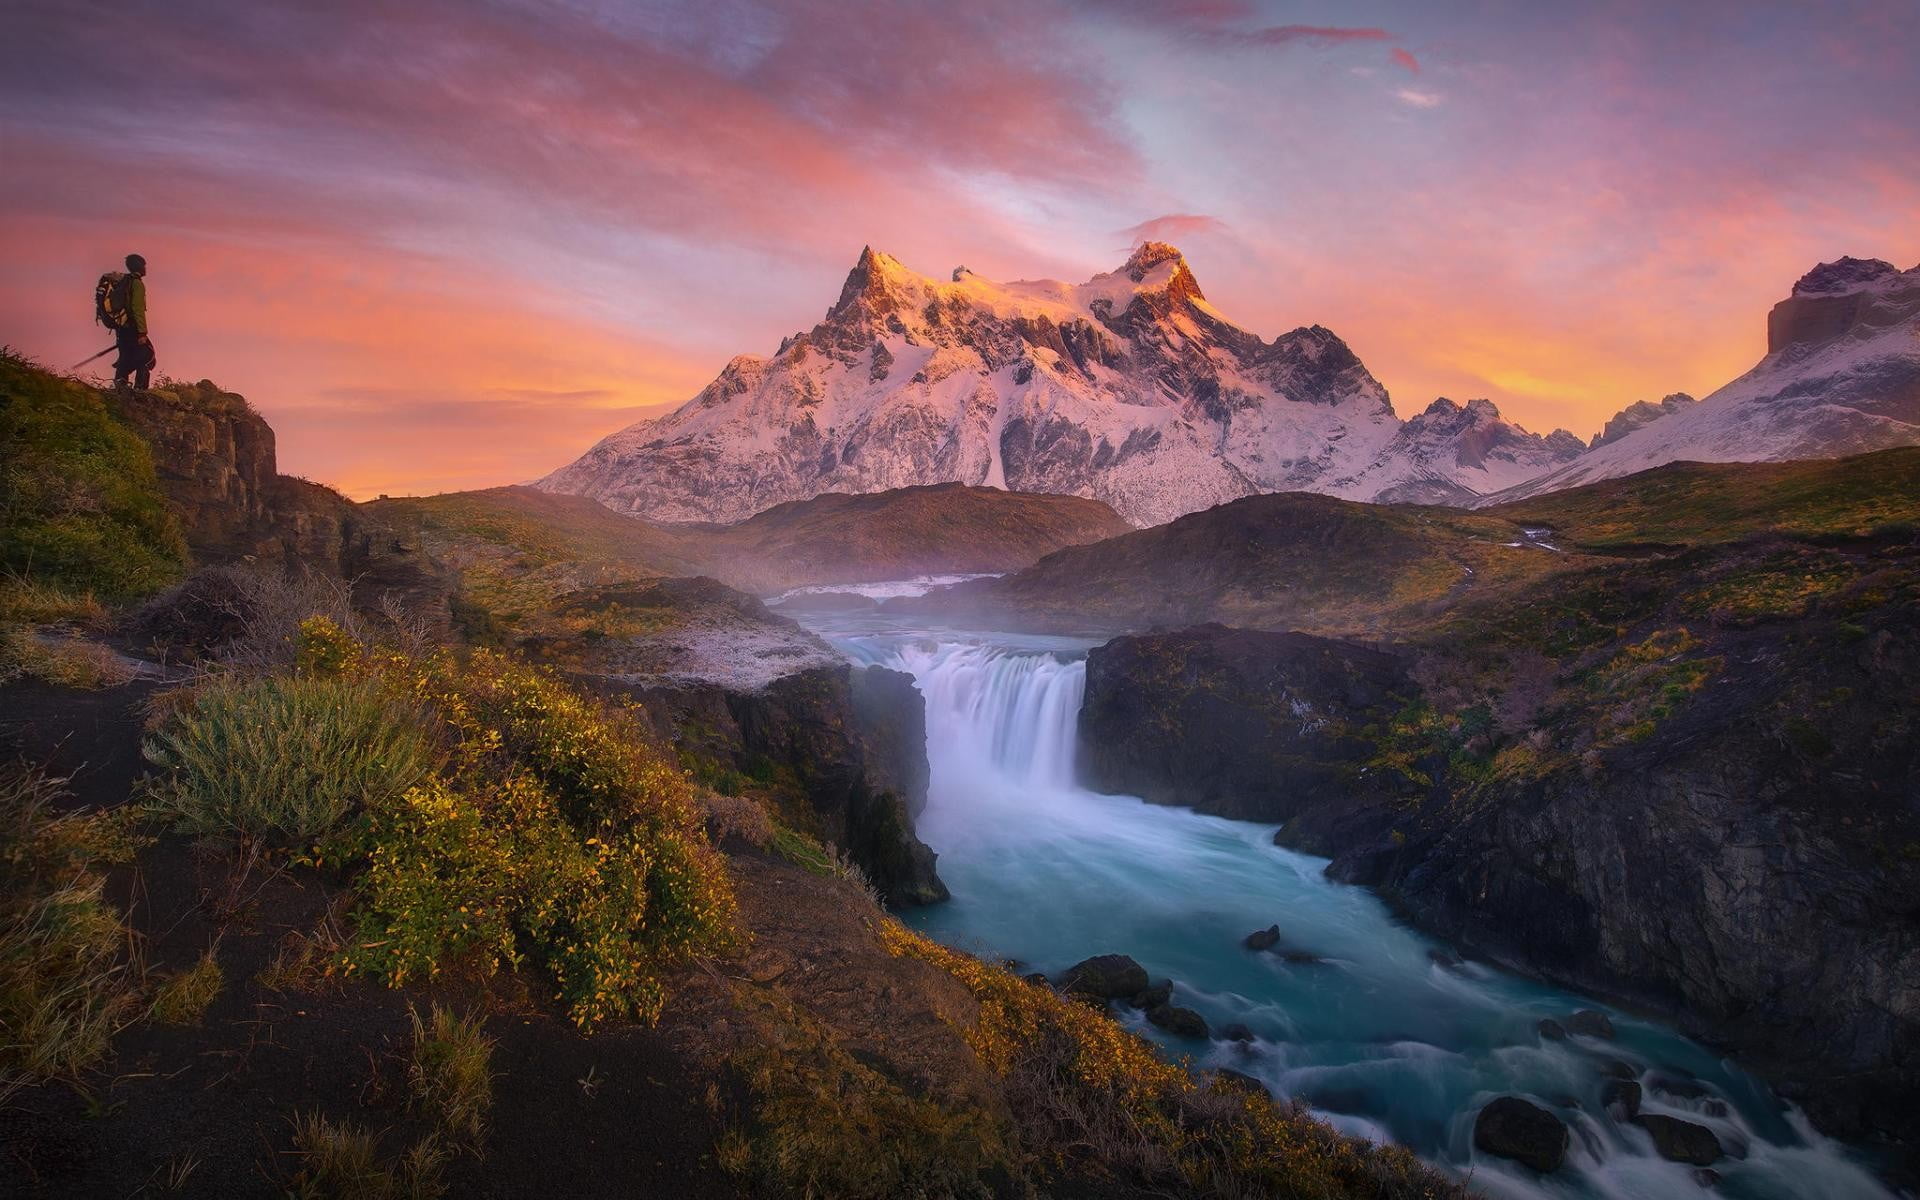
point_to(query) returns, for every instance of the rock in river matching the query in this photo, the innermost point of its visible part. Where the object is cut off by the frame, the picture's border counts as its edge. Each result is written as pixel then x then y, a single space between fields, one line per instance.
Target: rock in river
pixel 1107 976
pixel 1513 1128
pixel 1681 1141
pixel 1264 939
pixel 1180 1022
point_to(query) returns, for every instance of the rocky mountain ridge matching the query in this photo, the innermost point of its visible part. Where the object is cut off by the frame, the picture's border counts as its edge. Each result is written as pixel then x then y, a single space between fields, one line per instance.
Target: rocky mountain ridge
pixel 1130 388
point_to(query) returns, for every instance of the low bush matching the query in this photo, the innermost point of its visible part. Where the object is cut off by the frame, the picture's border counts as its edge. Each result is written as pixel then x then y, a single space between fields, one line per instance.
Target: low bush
pixel 283 760
pixel 66 978
pixel 555 835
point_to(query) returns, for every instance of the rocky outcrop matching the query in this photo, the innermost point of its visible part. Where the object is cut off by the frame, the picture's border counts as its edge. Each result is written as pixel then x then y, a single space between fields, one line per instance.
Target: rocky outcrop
pixel 216 463
pixel 1259 726
pixel 743 692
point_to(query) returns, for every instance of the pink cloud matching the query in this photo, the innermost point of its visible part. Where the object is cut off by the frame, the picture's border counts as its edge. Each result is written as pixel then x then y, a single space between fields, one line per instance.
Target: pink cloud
pixel 1172 227
pixel 1401 57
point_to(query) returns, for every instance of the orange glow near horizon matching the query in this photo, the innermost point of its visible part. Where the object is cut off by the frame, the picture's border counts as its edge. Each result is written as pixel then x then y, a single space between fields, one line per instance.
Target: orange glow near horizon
pixel 446 245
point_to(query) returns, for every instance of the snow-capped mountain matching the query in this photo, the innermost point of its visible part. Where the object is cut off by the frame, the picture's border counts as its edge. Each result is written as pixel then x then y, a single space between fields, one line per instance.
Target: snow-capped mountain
pixel 1130 388
pixel 1841 376
pixel 1454 454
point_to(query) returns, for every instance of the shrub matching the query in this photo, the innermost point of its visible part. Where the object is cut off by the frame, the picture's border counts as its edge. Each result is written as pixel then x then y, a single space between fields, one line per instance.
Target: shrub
pixel 80 506
pixel 247 617
pixel 450 1074
pixel 557 836
pixel 185 998
pixel 284 760
pixel 65 985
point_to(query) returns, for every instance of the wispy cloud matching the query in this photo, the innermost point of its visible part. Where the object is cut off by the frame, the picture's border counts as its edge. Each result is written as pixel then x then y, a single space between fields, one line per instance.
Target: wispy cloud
pixel 1402 57
pixel 1418 99
pixel 1172 227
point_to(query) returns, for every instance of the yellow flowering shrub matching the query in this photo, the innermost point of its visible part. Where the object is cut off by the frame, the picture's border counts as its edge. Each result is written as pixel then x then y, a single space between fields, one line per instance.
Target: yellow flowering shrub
pixel 555 837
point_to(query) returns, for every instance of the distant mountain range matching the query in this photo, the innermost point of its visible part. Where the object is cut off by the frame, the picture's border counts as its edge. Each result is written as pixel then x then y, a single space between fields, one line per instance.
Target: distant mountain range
pixel 1133 389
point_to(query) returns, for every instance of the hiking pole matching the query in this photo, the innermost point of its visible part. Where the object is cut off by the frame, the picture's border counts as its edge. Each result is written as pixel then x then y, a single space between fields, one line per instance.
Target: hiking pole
pixel 83 362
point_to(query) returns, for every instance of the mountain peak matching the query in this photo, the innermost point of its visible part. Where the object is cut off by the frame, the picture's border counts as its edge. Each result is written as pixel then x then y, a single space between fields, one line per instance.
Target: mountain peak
pixel 1148 257
pixel 1842 275
pixel 874 281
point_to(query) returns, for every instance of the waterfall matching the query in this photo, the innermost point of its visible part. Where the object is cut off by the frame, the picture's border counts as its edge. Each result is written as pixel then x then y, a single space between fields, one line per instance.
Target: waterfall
pixel 1372 1031
pixel 1000 713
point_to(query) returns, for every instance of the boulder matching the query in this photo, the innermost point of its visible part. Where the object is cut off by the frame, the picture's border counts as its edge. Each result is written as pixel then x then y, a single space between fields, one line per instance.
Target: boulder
pixel 1681 1141
pixel 1160 993
pixel 1237 1032
pixel 1590 1023
pixel 1552 1030
pixel 1263 939
pixel 1616 1068
pixel 1105 976
pixel 1706 1177
pixel 1524 1132
pixel 1622 1098
pixel 1180 1022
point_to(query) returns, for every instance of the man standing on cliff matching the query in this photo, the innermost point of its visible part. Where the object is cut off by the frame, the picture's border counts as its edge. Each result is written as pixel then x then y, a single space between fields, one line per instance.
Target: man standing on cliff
pixel 130 336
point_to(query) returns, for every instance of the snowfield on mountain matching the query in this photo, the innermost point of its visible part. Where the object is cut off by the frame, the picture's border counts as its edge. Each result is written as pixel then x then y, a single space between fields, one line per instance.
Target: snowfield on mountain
pixel 1130 388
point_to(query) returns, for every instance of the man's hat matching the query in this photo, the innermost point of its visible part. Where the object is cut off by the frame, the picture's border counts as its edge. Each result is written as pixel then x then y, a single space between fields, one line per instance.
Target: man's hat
pixel 136 264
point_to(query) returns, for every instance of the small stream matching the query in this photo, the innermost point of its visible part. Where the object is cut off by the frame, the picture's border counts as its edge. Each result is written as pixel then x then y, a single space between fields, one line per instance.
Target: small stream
pixel 1380 1030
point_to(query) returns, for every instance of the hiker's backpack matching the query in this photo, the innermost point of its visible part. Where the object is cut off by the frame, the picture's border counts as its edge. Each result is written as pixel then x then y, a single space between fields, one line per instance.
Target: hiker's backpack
pixel 110 300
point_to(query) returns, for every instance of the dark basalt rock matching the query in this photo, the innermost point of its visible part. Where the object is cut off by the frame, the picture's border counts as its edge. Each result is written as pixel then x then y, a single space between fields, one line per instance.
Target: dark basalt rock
pixel 1524 1132
pixel 1681 1141
pixel 1590 1023
pixel 1257 726
pixel 1263 939
pixel 1552 1030
pixel 1180 1022
pixel 1622 1095
pixel 1158 994
pixel 1615 1068
pixel 1105 977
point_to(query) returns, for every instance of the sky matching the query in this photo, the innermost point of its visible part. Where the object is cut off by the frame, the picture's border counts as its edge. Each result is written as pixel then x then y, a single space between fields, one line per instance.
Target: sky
pixel 444 244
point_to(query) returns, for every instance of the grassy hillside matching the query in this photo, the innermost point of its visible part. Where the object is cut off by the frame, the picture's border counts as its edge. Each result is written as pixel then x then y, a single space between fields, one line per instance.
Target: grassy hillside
pixel 1288 561
pixel 516 550
pixel 1695 504
pixel 938 529
pixel 80 508
pixel 1314 563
